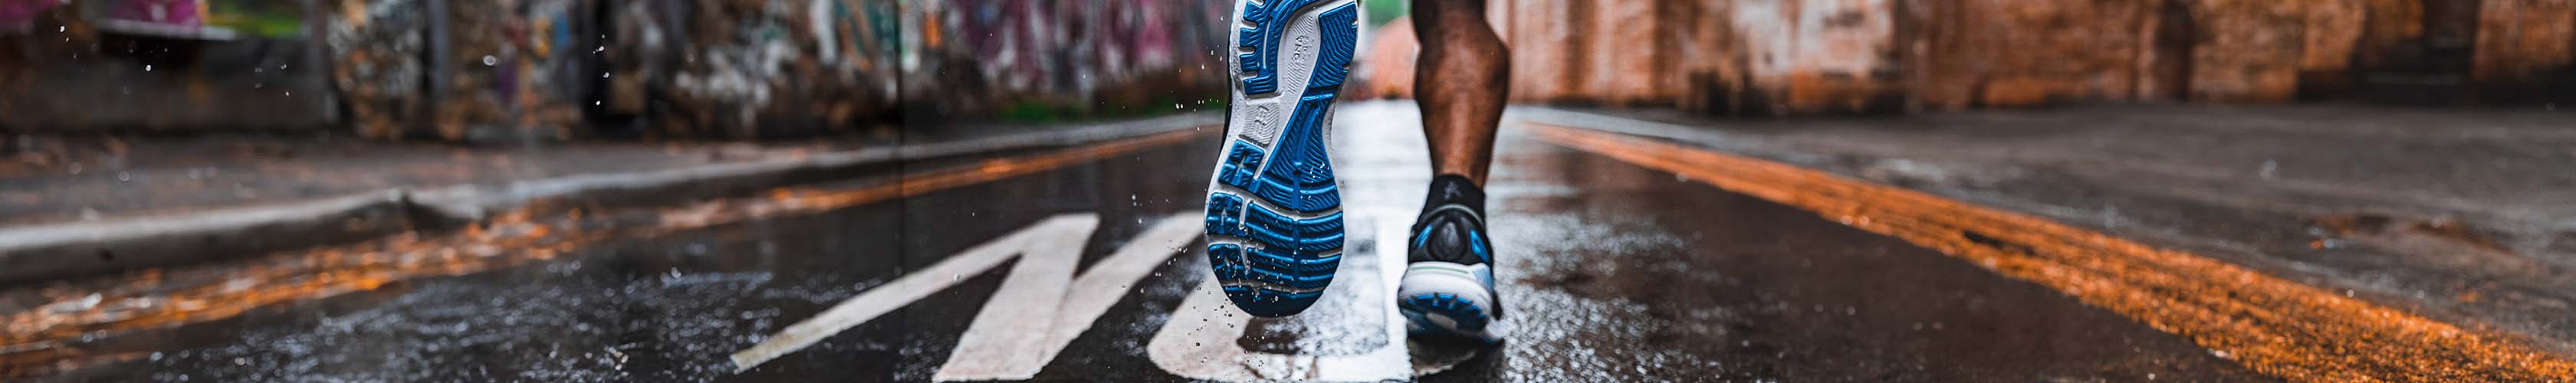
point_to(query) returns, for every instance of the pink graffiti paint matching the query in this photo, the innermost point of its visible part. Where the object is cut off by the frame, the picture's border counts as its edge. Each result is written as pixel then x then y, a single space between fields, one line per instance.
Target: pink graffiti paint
pixel 166 12
pixel 21 14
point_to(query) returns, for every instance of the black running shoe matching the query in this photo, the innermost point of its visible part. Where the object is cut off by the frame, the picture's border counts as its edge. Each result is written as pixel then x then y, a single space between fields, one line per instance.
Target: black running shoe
pixel 1448 288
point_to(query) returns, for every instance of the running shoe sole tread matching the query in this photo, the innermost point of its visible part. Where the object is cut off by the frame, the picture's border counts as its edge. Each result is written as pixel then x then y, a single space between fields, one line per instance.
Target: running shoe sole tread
pixel 1274 224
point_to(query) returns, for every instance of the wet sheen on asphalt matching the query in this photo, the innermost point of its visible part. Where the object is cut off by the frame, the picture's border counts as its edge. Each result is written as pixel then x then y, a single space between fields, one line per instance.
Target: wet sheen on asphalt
pixel 1612 272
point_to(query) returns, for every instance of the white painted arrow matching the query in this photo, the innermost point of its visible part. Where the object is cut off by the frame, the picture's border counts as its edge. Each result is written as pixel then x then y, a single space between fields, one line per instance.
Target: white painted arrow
pixel 1042 306
pixel 1038 310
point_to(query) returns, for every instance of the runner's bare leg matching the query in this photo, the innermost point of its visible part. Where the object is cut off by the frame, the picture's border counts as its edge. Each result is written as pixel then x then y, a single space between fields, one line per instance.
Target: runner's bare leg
pixel 1461 83
pixel 1448 287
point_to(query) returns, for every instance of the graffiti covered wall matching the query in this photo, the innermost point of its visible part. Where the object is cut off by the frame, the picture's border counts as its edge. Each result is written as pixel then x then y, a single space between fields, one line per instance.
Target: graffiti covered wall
pixel 1036 59
pixel 552 69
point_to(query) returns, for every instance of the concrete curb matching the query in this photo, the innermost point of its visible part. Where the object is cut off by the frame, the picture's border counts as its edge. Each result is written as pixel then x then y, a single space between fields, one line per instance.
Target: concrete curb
pixel 43 252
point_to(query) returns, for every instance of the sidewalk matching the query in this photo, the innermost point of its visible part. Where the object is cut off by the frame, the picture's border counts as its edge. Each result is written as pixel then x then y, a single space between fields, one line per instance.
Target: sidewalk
pixel 91 179
pixel 71 206
pixel 2455 214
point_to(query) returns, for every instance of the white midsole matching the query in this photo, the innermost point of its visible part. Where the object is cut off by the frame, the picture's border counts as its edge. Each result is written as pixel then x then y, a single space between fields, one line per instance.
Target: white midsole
pixel 1447 278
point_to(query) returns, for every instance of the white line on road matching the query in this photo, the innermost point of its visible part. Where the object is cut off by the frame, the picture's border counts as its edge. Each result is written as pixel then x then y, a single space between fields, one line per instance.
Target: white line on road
pixel 1042 307
pixel 1037 311
pixel 1014 321
pixel 1038 300
pixel 911 287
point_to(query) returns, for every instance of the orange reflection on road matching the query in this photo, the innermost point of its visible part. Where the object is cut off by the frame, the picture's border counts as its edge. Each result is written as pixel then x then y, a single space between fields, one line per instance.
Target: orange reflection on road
pixel 47 338
pixel 2272 325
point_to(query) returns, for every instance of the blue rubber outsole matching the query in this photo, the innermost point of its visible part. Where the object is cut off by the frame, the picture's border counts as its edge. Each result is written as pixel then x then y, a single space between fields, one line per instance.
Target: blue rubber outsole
pixel 1274 224
pixel 1469 321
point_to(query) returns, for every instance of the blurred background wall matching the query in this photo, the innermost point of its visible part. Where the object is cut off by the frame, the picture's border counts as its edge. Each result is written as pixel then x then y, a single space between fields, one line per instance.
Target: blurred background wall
pixel 155 65
pixel 1037 60
pixel 1764 57
pixel 485 69
pixel 516 70
pixel 506 70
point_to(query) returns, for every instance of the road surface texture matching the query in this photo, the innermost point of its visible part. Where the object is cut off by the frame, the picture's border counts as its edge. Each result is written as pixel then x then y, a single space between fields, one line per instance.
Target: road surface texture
pixel 2457 214
pixel 1621 259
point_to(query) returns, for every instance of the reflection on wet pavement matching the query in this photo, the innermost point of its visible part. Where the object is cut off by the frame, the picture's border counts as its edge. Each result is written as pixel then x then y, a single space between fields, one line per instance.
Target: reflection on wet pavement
pixel 1613 272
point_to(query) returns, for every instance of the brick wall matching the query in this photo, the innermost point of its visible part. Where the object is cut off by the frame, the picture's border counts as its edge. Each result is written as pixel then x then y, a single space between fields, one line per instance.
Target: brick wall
pixel 1755 57
pixel 2519 40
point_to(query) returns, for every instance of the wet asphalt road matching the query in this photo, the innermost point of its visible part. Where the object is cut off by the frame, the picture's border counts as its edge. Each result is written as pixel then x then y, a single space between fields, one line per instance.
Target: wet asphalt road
pixel 1612 272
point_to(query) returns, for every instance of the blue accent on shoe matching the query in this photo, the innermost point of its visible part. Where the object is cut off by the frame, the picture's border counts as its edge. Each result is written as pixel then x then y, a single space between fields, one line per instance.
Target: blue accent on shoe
pixel 1469 319
pixel 1270 22
pixel 1227 259
pixel 1300 175
pixel 1287 261
pixel 1242 166
pixel 1290 279
pixel 1223 211
pixel 1476 244
pixel 1341 33
pixel 1313 235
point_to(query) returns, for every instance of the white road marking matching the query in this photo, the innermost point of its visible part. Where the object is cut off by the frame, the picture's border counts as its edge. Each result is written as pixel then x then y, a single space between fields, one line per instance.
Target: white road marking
pixel 1199 342
pixel 1039 311
pixel 912 287
pixel 1014 321
pixel 1042 307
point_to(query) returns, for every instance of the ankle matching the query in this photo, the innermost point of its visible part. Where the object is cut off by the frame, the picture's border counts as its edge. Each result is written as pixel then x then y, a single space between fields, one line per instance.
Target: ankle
pixel 1454 189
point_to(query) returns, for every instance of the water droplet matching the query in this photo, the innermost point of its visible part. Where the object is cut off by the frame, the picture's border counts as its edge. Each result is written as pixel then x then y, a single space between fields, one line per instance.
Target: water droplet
pixel 147 68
